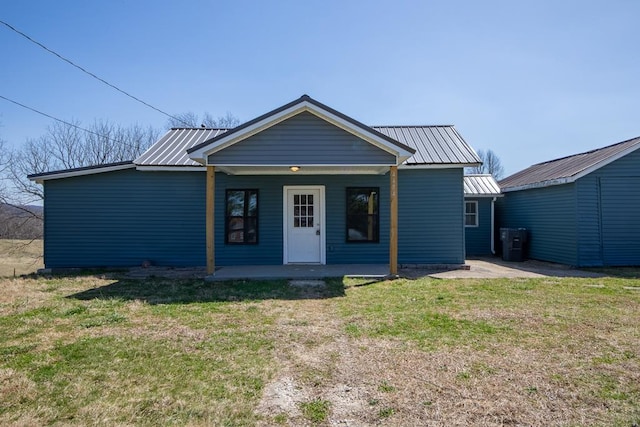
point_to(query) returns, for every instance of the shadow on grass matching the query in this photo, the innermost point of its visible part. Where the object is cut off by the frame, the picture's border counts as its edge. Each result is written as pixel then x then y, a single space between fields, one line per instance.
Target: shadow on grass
pixel 173 291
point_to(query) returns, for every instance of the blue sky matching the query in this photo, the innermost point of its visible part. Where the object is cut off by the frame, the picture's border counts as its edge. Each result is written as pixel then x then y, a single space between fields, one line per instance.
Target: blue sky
pixel 531 80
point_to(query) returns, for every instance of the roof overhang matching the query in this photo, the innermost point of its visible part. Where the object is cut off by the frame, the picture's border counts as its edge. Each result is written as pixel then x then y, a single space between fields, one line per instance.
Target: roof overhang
pixel 89 170
pixel 573 178
pixel 201 152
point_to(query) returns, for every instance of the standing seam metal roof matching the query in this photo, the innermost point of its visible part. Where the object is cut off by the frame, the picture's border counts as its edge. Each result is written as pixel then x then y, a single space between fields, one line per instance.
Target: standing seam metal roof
pixel 481 185
pixel 171 149
pixel 566 167
pixel 433 144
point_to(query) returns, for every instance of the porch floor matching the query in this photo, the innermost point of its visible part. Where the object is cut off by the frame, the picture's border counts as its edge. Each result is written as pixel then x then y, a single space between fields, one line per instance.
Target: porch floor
pixel 299 271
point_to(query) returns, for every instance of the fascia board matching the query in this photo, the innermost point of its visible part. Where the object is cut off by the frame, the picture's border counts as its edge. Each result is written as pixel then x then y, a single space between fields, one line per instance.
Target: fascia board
pixel 73 173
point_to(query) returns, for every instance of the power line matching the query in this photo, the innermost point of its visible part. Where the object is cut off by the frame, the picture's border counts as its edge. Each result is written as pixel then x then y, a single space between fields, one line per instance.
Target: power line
pixel 89 72
pixel 58 120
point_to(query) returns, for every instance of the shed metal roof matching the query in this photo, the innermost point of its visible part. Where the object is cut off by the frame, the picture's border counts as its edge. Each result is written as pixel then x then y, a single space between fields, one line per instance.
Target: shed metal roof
pixel 483 185
pixel 433 145
pixel 568 169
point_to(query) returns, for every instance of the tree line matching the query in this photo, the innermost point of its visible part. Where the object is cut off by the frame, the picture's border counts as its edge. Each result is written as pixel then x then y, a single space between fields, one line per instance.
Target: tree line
pixel 67 145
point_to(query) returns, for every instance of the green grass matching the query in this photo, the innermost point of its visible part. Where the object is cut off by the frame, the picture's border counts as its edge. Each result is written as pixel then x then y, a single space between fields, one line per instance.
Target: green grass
pixel 94 350
pixel 315 411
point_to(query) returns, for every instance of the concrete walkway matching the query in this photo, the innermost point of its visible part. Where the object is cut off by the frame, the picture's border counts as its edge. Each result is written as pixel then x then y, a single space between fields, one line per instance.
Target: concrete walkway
pixel 481 268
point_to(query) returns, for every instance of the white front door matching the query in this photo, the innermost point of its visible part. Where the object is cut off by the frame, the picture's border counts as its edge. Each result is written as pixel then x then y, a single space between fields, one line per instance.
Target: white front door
pixel 304 225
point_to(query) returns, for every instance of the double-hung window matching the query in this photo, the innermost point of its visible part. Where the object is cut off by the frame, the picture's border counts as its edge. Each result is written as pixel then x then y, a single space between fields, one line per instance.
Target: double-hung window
pixel 241 222
pixel 471 214
pixel 362 214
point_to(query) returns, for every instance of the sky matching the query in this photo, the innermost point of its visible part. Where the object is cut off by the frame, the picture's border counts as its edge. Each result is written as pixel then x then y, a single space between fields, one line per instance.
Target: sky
pixel 532 80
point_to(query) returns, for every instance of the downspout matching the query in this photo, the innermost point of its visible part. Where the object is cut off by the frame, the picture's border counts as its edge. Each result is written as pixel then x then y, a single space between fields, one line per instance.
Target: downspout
pixel 493 226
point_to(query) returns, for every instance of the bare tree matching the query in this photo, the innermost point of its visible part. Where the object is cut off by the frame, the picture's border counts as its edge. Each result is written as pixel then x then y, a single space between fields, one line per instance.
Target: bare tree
pixel 491 164
pixel 190 119
pixel 65 146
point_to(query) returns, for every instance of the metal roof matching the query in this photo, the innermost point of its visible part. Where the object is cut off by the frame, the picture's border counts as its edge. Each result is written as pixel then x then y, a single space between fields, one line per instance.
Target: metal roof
pixel 568 169
pixel 481 185
pixel 171 149
pixel 433 144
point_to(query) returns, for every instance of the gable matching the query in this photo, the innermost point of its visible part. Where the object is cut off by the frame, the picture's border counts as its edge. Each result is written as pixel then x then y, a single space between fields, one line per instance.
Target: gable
pixel 303 139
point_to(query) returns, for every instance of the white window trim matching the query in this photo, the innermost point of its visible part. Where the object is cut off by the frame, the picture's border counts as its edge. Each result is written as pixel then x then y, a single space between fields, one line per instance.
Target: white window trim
pixel 477 214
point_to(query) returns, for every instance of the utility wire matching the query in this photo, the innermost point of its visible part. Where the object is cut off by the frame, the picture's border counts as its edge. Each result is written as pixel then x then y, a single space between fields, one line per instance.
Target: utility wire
pixel 90 73
pixel 57 119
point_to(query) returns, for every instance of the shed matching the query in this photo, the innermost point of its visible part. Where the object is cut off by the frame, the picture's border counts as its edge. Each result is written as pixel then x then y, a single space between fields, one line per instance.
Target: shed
pixel 580 210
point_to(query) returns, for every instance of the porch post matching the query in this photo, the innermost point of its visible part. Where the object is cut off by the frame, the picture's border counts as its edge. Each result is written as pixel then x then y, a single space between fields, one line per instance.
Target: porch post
pixel 393 229
pixel 210 236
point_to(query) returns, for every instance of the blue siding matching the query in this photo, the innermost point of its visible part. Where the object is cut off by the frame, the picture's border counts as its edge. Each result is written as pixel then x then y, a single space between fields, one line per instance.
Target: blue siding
pixel 549 214
pixel 123 218
pixel 609 228
pixel 430 216
pixel 270 245
pixel 303 139
pixel 478 239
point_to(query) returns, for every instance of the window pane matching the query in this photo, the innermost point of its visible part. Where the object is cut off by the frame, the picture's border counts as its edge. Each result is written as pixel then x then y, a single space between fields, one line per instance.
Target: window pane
pixel 251 235
pixel 253 203
pixel 310 198
pixel 303 199
pixel 235 203
pixel 242 216
pixel 362 214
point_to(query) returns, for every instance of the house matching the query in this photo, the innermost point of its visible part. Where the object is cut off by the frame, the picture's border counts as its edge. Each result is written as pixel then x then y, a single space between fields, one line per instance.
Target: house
pixel 579 210
pixel 480 194
pixel 303 183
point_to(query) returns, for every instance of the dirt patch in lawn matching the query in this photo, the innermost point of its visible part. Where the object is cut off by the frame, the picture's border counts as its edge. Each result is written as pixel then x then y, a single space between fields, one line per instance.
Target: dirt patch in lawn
pixel 363 381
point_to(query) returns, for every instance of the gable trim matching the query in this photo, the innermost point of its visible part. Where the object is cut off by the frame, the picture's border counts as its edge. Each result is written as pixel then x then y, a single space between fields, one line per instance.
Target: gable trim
pixel 200 152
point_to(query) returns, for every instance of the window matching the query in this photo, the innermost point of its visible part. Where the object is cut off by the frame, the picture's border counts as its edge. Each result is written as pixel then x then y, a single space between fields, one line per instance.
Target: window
pixel 242 217
pixel 362 214
pixel 471 214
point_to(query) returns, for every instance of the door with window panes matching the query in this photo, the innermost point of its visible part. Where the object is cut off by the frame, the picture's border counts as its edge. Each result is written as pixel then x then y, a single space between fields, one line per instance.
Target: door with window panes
pixel 303 227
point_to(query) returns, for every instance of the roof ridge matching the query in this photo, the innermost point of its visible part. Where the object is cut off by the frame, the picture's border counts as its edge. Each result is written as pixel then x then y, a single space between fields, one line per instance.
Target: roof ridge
pixel 411 126
pixel 200 128
pixel 587 152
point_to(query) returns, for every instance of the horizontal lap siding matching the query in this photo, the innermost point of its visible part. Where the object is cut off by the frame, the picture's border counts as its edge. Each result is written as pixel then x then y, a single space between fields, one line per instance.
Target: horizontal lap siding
pixel 303 139
pixel 270 244
pixel 125 217
pixel 430 216
pixel 478 239
pixel 549 215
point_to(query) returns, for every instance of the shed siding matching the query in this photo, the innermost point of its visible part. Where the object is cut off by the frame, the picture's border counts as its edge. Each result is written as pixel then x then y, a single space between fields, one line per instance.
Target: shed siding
pixel 430 212
pixel 124 217
pixel 302 140
pixel 589 237
pixel 478 239
pixel 549 215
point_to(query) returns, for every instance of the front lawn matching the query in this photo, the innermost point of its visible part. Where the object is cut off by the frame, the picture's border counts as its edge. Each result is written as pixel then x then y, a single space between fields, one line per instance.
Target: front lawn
pixel 100 350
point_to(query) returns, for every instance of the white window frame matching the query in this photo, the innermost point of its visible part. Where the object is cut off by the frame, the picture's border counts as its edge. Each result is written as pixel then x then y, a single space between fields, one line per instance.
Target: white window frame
pixel 476 214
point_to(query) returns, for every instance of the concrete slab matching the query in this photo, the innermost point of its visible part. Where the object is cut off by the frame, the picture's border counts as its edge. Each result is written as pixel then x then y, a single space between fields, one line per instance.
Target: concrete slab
pixel 496 268
pixel 299 272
